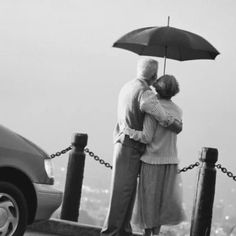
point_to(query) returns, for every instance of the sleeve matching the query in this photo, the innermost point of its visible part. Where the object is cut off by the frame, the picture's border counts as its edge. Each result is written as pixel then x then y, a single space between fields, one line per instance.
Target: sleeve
pixel 151 105
pixel 146 135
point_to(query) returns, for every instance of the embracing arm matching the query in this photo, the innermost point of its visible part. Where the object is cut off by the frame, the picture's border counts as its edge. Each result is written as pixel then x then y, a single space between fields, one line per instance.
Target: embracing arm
pixel 150 104
pixel 146 135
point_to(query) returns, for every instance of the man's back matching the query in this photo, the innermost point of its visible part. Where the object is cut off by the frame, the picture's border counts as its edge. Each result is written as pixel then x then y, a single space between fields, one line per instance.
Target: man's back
pixel 128 111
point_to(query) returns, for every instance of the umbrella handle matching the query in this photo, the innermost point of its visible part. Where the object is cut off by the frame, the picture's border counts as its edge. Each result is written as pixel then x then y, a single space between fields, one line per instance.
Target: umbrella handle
pixel 164 70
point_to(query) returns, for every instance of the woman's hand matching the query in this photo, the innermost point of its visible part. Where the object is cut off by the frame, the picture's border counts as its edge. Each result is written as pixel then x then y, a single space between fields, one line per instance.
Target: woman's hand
pixel 176 126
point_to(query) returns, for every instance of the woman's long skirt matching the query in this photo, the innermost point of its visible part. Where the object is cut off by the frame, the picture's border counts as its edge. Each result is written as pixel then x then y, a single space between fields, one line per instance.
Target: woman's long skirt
pixel 159 197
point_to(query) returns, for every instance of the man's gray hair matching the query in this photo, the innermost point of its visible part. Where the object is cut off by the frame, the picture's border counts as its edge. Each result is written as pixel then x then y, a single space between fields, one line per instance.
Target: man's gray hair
pixel 146 68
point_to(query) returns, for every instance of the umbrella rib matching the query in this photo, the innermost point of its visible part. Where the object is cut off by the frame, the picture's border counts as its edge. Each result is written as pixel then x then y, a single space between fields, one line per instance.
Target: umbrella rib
pixel 142 50
pixel 180 54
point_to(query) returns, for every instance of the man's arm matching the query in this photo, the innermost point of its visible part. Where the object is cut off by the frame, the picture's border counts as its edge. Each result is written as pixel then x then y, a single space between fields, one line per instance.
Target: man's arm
pixel 151 105
pixel 146 135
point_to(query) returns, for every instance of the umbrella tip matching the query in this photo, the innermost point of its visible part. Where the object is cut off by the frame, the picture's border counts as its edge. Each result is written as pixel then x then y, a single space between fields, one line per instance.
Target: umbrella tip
pixel 168 21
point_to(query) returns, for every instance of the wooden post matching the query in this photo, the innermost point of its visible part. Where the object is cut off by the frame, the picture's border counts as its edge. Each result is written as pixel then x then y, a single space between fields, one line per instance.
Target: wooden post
pixel 74 179
pixel 204 196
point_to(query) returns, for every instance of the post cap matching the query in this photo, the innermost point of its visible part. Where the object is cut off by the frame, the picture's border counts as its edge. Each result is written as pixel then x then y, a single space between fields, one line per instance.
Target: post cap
pixel 209 155
pixel 80 140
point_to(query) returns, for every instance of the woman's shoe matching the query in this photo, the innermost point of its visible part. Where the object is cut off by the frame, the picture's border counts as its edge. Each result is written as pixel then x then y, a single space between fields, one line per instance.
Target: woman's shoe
pixel 148 232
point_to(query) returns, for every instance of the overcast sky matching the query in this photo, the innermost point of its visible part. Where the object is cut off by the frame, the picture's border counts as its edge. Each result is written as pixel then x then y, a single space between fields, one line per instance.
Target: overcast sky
pixel 59 74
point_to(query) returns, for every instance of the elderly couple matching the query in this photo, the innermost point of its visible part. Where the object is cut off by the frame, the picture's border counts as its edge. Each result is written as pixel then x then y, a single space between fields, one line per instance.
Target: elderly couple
pixel 145 146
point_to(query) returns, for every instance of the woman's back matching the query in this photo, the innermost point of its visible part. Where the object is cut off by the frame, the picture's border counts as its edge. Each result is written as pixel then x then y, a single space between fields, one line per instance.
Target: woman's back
pixel 163 147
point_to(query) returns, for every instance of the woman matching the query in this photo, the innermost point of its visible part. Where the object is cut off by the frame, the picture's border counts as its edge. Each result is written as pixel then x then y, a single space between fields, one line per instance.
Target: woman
pixel 159 198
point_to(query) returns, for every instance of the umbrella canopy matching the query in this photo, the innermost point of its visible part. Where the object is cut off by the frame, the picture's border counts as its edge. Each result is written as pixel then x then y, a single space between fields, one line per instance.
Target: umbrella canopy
pixel 167 42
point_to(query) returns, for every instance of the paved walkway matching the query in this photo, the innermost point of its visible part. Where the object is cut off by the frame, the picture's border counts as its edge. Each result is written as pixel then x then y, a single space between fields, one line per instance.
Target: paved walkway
pixel 30 233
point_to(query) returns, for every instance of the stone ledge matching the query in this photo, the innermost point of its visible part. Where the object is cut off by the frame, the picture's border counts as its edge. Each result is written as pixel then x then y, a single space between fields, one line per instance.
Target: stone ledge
pixel 65 228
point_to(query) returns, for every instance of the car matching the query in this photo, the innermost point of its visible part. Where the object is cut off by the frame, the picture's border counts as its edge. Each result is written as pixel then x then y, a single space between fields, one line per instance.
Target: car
pixel 27 192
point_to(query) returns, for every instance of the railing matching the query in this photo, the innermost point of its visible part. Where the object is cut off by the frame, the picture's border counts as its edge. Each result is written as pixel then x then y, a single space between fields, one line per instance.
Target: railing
pixel 204 195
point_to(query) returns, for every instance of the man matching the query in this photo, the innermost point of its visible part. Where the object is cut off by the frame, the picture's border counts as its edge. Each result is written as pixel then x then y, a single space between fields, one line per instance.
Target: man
pixel 135 99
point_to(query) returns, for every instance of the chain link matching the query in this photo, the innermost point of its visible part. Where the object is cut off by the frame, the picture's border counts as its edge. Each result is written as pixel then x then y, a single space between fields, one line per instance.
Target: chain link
pixel 97 158
pixel 225 171
pixel 57 154
pixel 190 167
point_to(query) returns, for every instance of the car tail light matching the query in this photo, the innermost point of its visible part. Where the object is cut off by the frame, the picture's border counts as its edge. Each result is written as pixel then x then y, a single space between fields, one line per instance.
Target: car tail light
pixel 48 165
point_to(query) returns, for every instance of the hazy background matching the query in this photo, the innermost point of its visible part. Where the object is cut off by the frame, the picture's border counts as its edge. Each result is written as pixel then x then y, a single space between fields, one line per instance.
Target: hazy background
pixel 59 75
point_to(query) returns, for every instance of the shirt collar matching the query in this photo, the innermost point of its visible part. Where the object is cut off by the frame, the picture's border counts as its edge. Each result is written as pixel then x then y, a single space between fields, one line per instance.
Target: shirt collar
pixel 143 81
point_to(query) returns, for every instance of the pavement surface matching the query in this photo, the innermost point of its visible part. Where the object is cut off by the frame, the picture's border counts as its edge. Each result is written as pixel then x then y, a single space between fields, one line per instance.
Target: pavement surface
pixel 31 233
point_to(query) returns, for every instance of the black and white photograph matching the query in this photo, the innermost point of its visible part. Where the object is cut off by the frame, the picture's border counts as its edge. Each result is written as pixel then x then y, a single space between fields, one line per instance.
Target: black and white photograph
pixel 117 118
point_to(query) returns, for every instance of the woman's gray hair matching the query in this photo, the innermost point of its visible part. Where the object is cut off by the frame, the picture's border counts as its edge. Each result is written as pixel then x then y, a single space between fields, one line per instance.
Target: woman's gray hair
pixel 166 86
pixel 146 68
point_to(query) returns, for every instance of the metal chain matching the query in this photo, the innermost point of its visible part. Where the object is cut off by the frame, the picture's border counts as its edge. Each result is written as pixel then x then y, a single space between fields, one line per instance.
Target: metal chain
pixel 97 158
pixel 102 162
pixel 108 165
pixel 57 154
pixel 190 167
pixel 225 171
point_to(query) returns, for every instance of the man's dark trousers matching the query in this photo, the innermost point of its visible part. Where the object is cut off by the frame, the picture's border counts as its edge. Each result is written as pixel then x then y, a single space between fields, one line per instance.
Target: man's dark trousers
pixel 126 165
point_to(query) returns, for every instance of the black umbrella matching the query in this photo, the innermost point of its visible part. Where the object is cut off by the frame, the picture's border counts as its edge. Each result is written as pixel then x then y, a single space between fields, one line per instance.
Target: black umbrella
pixel 167 42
